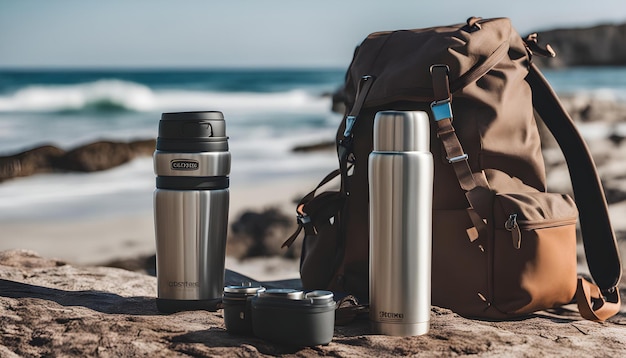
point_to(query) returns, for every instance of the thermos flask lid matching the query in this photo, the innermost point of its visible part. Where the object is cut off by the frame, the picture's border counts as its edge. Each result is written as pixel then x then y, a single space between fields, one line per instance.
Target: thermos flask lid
pixel 192 132
pixel 397 131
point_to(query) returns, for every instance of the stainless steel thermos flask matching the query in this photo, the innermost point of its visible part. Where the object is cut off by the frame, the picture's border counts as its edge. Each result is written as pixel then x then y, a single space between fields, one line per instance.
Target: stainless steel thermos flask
pixel 400 189
pixel 191 200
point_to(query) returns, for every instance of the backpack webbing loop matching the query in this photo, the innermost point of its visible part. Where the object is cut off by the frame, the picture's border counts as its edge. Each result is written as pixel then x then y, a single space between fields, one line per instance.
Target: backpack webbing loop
pixel 446 133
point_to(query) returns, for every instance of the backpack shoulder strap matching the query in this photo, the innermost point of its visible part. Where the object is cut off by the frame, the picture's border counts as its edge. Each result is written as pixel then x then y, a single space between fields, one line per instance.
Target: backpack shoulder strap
pixel 598 237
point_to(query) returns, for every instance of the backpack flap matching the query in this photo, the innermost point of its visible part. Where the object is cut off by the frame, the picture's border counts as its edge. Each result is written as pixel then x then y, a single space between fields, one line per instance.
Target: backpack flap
pixel 400 60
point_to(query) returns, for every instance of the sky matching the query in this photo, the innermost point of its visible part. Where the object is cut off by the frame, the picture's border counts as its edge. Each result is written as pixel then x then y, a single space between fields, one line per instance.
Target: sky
pixel 246 33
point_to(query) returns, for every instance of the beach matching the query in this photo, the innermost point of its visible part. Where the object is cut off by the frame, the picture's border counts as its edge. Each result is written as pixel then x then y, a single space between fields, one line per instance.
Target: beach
pixel 97 240
pixel 92 239
pixel 76 248
pixel 91 218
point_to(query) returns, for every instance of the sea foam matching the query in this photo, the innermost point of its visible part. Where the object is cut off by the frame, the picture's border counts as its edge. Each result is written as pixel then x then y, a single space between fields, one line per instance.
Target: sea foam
pixel 114 94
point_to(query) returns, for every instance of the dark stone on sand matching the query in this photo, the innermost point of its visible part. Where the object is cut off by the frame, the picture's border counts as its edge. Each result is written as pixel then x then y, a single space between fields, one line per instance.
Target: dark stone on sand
pixel 261 234
pixel 326 145
pixel 96 156
pixel 100 155
pixel 145 264
pixel 616 139
pixel 38 160
pixel 614 195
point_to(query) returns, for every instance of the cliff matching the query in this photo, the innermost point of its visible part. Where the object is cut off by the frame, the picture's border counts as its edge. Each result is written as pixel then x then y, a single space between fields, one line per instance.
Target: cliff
pixel 602 45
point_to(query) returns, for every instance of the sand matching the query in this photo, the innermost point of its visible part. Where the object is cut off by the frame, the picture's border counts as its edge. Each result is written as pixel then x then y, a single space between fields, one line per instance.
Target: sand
pixel 96 240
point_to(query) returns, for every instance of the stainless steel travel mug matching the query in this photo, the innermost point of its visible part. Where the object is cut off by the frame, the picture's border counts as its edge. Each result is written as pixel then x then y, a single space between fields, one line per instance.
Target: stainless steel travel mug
pixel 192 164
pixel 400 189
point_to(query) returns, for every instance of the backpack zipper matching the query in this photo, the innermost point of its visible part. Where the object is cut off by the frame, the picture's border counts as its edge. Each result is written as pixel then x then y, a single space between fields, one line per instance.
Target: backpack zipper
pixel 512 224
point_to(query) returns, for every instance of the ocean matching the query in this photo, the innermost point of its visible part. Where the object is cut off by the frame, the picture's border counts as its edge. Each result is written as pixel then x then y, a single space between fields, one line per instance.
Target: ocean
pixel 268 113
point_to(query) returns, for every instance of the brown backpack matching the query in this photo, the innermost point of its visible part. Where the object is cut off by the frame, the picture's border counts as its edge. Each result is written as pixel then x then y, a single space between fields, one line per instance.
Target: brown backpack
pixel 502 245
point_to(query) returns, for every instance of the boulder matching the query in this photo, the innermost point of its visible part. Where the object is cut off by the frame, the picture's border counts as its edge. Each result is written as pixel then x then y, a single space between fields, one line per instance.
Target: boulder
pixel 96 156
pixel 42 159
pixel 261 233
pixel 601 45
pixel 100 155
pixel 315 147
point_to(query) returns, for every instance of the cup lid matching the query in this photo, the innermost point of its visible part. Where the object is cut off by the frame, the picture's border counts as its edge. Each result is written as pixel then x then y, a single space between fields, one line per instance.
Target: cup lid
pixel 289 293
pixel 244 289
pixel 319 295
pixel 202 131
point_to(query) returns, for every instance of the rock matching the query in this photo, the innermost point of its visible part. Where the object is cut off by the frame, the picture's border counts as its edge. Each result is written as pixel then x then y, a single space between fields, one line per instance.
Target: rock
pixel 96 156
pixel 601 45
pixel 142 147
pixel 589 109
pixel 144 264
pixel 103 155
pixel 48 308
pixel 42 159
pixel 339 101
pixel 91 157
pixel 315 147
pixel 261 234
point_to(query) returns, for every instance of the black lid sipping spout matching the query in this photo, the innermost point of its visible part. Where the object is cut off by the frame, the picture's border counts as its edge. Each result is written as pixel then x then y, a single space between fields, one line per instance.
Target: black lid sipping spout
pixel 203 131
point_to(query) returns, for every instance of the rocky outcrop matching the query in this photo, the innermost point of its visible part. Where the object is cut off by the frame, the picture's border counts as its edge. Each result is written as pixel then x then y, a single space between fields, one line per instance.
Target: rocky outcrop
pixel 101 155
pixel 261 233
pixel 315 147
pixel 601 45
pixel 91 157
pixel 49 308
pixel 38 160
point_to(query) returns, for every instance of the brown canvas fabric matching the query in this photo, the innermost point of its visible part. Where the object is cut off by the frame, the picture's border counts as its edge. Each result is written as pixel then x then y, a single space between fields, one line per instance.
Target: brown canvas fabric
pixel 502 245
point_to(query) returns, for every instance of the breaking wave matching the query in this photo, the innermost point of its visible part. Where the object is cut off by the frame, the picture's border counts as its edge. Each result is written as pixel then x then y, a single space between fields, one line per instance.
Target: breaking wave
pixel 117 95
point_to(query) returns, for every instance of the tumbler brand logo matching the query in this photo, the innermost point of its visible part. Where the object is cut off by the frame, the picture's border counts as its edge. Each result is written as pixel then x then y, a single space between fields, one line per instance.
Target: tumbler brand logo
pixel 183 284
pixel 184 164
pixel 391 316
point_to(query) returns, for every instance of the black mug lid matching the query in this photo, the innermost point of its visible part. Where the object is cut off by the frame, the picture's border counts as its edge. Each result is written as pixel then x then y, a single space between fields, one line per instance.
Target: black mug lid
pixel 202 131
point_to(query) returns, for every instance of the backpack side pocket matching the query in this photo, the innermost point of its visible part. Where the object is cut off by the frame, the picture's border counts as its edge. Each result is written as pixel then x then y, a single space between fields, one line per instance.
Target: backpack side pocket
pixel 534 252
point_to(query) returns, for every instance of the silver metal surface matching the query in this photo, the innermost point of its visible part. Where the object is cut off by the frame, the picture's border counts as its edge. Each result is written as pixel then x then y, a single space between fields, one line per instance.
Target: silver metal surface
pixel 396 131
pixel 400 185
pixel 208 164
pixel 319 295
pixel 244 289
pixel 190 227
pixel 289 293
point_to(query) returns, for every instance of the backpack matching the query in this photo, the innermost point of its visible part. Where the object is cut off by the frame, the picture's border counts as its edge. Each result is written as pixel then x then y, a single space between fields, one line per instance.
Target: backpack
pixel 503 246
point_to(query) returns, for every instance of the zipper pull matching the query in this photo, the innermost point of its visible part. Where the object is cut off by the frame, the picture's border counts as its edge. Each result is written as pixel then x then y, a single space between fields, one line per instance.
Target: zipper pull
pixel 512 226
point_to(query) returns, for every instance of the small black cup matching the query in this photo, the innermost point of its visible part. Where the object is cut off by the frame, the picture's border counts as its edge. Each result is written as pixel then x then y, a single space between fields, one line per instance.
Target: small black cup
pixel 237 310
pixel 294 318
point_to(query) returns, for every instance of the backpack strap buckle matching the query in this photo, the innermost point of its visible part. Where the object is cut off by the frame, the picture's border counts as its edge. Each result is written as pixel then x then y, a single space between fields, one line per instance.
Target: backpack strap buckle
pixel 441 109
pixel 303 219
pixel 350 120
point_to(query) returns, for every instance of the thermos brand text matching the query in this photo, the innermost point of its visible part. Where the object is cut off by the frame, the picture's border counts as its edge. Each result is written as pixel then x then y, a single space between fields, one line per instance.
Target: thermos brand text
pixel 183 284
pixel 390 315
pixel 184 164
